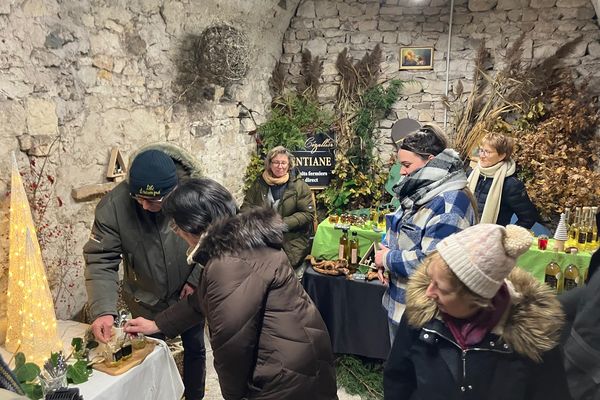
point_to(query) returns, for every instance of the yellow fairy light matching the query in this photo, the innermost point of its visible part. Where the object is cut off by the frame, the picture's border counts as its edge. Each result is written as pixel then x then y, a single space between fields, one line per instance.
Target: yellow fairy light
pixel 30 309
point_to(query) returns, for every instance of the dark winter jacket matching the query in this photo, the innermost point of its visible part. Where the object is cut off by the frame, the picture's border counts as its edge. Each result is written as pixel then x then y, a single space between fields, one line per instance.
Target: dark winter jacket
pixel 296 208
pixel 268 338
pixel 154 259
pixel 582 346
pixel 518 360
pixel 514 201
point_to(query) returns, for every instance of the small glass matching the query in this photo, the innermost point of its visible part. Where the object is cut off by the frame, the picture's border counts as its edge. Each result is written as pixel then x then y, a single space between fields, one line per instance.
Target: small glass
pixel 542 242
pixel 138 341
pixel 113 354
pixel 334 218
pixel 50 385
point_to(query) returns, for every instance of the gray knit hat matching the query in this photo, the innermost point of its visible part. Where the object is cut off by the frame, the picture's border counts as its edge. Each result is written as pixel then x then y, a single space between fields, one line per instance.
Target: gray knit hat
pixel 483 255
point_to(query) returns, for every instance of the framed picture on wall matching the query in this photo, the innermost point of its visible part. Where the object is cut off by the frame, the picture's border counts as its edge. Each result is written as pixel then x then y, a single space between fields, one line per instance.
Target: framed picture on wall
pixel 416 58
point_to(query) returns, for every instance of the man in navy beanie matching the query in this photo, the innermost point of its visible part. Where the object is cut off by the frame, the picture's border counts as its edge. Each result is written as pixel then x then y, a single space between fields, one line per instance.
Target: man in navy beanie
pixel 129 227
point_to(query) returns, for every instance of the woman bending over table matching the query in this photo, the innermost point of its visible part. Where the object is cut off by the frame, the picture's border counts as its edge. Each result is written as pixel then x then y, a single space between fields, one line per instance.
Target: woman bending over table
pixel 268 339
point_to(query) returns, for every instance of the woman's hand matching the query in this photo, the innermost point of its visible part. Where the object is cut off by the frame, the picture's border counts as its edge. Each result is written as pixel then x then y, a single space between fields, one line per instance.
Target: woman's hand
pixel 381 276
pixel 141 325
pixel 380 255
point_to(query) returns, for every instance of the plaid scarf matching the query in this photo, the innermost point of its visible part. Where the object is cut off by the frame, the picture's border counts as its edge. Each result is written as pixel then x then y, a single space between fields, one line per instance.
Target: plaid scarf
pixel 444 172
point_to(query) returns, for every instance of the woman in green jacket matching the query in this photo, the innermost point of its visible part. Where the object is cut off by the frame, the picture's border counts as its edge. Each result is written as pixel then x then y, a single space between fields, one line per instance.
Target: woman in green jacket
pixel 280 187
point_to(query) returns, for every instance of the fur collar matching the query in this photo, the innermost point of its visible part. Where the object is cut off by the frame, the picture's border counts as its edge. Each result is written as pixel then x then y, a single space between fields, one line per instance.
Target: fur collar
pixel 259 227
pixel 532 324
pixel 187 165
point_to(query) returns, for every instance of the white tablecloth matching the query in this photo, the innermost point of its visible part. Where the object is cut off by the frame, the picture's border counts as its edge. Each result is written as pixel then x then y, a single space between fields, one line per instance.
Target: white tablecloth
pixel 156 378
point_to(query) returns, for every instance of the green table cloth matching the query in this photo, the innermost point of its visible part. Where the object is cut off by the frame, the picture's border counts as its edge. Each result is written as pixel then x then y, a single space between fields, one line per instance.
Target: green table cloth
pixel 535 260
pixel 326 242
pixel 327 239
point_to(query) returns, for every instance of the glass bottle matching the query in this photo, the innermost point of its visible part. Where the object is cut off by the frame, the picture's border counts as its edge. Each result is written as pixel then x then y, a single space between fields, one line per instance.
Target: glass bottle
pixel 583 229
pixel 354 252
pixel 571 275
pixel 594 245
pixel 553 276
pixel 343 247
pixel 574 230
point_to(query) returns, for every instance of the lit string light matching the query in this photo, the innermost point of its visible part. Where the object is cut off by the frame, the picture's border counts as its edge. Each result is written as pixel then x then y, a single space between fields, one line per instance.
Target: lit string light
pixel 30 310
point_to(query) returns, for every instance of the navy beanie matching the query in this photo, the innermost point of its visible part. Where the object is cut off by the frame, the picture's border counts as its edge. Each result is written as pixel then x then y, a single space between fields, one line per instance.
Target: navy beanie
pixel 152 174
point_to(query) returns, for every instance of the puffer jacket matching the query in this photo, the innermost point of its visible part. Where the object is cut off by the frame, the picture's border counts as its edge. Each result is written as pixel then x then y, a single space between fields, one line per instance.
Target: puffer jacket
pixel 296 208
pixel 154 257
pixel 514 200
pixel 518 360
pixel 582 336
pixel 268 338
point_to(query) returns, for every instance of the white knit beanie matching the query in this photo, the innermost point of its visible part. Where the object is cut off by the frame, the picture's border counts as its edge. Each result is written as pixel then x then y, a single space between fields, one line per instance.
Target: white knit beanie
pixel 483 255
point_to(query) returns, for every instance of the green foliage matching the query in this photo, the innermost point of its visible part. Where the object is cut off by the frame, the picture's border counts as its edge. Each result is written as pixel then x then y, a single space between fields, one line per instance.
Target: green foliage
pixel 360 377
pixel 253 170
pixel 32 390
pixel 27 373
pixel 78 372
pixel 360 176
pixel 292 118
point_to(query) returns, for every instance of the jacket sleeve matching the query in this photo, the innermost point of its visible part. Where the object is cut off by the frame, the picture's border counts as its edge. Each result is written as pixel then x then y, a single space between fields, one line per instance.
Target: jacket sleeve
pixel 441 224
pixel 234 301
pixel 303 215
pixel 520 203
pixel 399 377
pixel 549 381
pixel 102 256
pixel 194 277
pixel 180 316
pixel 252 198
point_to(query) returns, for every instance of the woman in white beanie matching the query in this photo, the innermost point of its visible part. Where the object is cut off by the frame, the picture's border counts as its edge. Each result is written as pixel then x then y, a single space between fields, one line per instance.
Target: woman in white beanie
pixel 475 327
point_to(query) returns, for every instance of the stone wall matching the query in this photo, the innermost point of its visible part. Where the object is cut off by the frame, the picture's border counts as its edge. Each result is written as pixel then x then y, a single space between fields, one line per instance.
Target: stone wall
pixel 79 77
pixel 327 27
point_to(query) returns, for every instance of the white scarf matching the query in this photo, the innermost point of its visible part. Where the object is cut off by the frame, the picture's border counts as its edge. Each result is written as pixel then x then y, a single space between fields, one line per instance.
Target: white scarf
pixel 498 172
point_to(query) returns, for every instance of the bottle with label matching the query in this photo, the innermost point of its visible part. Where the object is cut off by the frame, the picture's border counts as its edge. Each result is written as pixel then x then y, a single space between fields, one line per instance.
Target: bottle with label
pixel 594 245
pixel 354 256
pixel 553 276
pixel 571 274
pixel 343 247
pixel 592 230
pixel 573 230
pixel 584 228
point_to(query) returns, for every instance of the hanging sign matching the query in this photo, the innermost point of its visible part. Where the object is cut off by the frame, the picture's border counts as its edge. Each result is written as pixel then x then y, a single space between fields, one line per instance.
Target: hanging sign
pixel 317 161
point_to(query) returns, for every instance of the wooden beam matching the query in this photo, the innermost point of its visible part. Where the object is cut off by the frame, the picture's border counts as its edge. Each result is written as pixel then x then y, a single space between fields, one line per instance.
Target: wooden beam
pixel 89 192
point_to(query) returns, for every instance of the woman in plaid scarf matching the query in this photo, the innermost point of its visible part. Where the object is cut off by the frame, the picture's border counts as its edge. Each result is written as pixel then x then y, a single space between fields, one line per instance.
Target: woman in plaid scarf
pixel 434 203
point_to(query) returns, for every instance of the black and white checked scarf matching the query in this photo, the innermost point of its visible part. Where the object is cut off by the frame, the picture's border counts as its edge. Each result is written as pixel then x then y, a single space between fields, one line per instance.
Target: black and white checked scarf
pixel 443 173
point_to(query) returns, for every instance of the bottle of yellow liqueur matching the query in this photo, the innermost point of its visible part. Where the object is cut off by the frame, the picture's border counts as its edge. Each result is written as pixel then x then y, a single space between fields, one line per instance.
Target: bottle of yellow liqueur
pixel 572 277
pixel 592 230
pixel 354 256
pixel 553 276
pixel 343 247
pixel 573 231
pixel 584 228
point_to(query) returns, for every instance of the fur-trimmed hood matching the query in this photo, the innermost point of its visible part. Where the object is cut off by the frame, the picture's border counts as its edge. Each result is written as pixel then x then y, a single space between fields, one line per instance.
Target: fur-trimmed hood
pixel 259 227
pixel 531 325
pixel 187 165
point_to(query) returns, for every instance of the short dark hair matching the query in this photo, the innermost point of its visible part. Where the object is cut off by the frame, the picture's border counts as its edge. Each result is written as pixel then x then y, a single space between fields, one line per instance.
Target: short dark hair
pixel 198 202
pixel 429 140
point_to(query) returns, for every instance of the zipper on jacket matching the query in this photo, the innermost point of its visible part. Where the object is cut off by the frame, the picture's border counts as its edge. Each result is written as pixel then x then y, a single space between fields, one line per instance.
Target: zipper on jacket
pixel 464 353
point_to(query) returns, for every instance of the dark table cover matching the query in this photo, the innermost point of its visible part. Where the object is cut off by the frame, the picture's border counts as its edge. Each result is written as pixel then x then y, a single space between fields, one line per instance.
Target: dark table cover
pixel 353 313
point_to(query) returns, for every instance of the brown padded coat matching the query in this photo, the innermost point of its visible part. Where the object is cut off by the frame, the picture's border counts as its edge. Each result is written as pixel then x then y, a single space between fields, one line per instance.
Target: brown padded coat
pixel 268 339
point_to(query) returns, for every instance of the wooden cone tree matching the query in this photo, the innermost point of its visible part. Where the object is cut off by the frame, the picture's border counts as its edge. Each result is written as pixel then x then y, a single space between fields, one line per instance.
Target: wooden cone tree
pixel 30 310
